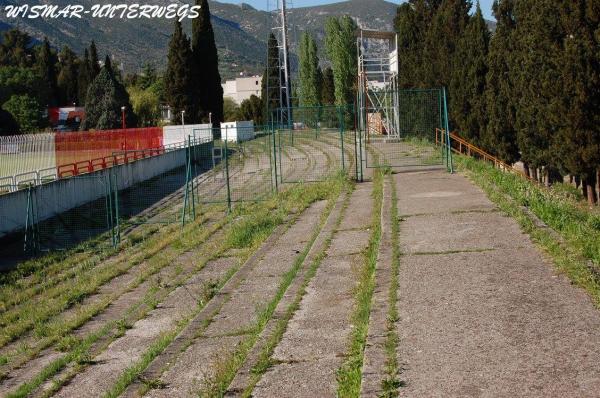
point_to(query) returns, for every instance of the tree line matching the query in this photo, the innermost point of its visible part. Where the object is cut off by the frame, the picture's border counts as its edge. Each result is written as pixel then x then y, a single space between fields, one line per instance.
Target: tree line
pixel 34 77
pixel 315 86
pixel 529 91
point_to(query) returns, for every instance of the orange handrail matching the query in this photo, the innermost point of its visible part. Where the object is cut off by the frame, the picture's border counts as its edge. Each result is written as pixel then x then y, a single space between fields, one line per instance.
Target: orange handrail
pixel 472 150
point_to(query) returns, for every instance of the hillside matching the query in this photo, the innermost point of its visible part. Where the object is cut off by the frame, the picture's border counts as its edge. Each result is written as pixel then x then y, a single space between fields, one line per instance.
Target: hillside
pixel 241 31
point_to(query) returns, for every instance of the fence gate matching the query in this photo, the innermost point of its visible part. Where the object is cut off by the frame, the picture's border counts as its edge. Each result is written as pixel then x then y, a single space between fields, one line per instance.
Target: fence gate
pixel 412 136
pixel 320 143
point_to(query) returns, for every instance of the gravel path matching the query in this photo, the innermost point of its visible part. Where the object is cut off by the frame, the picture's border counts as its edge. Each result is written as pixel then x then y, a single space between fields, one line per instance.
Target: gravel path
pixel 315 342
pixel 482 311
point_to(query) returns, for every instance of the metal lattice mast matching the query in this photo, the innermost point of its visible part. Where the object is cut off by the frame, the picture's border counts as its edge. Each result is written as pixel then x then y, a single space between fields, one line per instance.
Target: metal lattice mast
pixel 280 29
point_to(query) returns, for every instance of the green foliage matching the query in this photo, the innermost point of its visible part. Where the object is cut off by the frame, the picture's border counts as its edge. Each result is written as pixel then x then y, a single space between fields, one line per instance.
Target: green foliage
pixel 178 77
pixel 309 71
pixel 68 77
pixel 231 110
pixel 15 49
pixel 340 43
pixel 94 65
pixel 105 97
pixel 145 105
pixel 447 26
pixel 17 81
pixel 328 88
pixel 500 137
pixel 45 65
pixel 84 78
pixel 536 73
pixel 467 105
pixel 577 142
pixel 26 111
pixel 271 80
pixel 251 109
pixel 208 91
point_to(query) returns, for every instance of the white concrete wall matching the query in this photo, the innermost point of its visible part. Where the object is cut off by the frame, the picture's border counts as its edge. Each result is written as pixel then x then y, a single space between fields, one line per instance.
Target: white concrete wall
pixel 242 88
pixel 177 134
pixel 237 131
pixel 62 195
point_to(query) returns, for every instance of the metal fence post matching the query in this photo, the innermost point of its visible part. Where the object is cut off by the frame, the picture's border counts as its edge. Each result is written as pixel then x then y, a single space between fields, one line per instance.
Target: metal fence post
pixel 227 170
pixel 450 165
pixel 275 157
pixel 342 124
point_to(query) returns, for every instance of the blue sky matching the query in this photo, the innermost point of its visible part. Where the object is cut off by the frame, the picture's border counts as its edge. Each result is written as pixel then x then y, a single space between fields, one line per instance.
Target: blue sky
pixel 486 5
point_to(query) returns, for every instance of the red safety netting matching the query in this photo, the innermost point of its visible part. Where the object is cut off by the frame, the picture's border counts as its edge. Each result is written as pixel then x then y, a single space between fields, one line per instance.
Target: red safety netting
pixel 83 151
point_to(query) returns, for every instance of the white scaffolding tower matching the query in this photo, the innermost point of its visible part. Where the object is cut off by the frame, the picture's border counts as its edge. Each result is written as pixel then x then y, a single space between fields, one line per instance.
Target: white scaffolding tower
pixel 278 9
pixel 378 97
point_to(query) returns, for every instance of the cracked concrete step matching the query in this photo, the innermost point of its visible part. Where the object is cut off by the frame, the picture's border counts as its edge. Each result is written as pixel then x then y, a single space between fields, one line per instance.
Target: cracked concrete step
pixel 244 375
pixel 316 340
pixel 205 350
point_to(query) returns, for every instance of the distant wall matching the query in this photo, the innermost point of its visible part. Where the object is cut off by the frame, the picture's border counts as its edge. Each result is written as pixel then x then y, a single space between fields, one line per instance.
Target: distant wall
pixel 65 194
pixel 177 134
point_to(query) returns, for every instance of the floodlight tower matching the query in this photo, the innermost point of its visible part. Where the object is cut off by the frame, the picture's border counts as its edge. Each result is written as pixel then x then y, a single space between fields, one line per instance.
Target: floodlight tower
pixel 279 10
pixel 378 97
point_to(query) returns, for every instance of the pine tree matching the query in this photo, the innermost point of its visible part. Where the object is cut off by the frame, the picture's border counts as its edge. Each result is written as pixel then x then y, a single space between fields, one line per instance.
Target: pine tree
pixel 500 136
pixel 45 66
pixel 67 76
pixel 178 77
pixel 94 61
pixel 467 106
pixel 271 81
pixel 309 75
pixel 84 78
pixel 340 42
pixel 328 89
pixel 105 97
pixel 205 66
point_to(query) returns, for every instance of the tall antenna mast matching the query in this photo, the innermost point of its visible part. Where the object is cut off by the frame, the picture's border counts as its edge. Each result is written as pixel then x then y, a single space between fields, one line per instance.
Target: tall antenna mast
pixel 286 86
pixel 280 30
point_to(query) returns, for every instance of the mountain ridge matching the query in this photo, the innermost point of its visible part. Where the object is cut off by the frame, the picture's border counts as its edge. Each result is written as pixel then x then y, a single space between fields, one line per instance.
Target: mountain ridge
pixel 241 31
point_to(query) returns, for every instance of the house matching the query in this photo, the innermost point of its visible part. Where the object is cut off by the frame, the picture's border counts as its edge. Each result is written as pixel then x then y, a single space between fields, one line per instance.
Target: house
pixel 242 88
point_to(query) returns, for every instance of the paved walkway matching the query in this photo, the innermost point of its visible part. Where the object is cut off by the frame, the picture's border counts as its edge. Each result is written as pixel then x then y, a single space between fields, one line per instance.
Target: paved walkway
pixel 482 312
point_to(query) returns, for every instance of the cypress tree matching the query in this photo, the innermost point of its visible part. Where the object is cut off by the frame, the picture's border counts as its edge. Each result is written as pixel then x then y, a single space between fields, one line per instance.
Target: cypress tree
pixel 340 42
pixel 84 78
pixel 205 65
pixel 45 66
pixel 447 26
pixel 411 24
pixel 67 76
pixel 178 77
pixel 105 97
pixel 271 80
pixel 538 39
pixel 328 89
pixel 94 61
pixel 469 71
pixel 309 71
pixel 500 136
pixel 578 141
